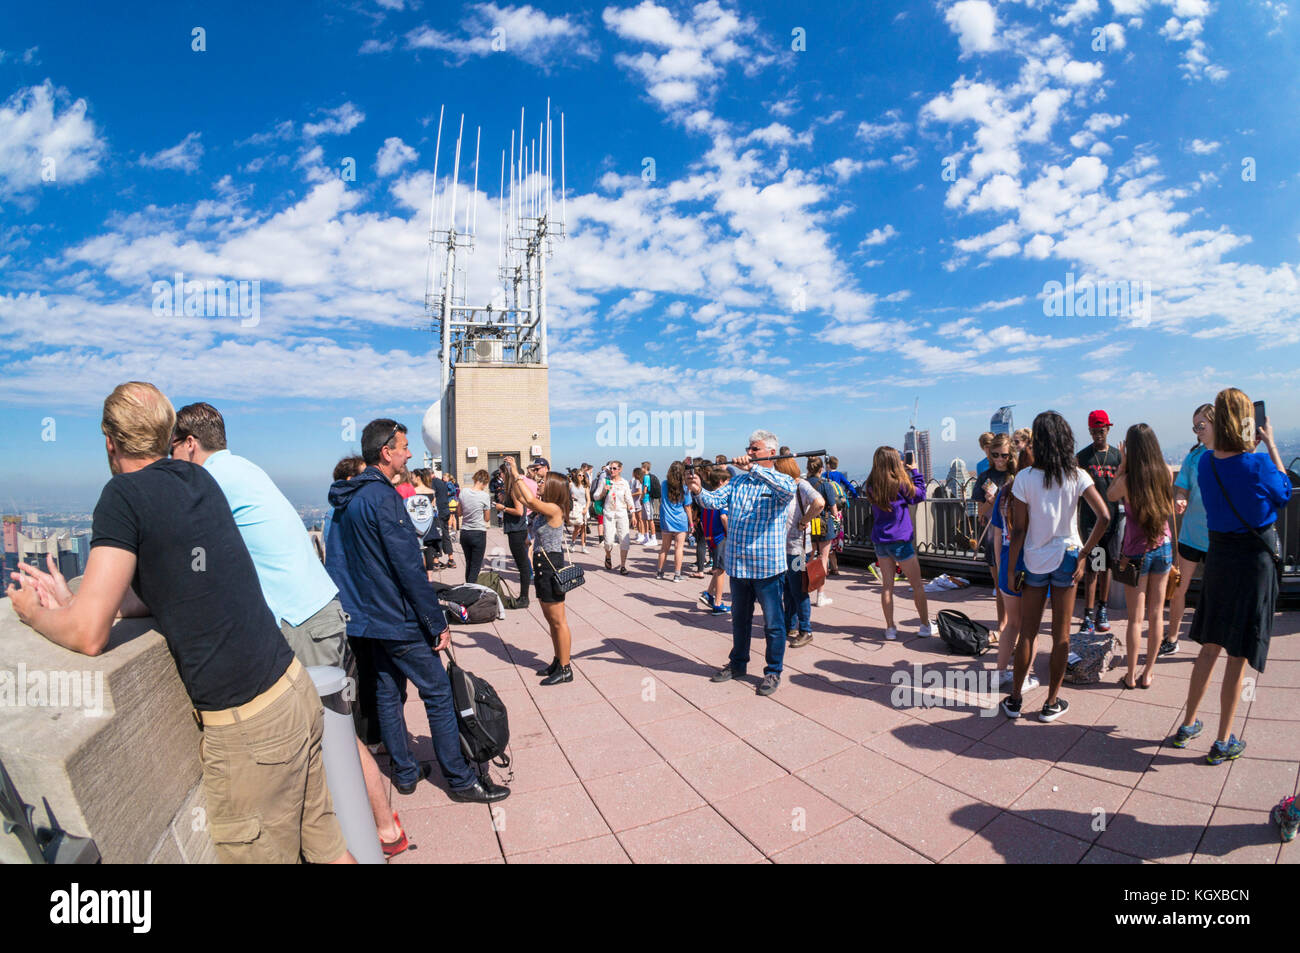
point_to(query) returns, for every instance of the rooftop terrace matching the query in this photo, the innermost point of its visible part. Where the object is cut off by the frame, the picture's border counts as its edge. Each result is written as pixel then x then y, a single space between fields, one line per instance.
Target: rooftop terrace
pixel 641 758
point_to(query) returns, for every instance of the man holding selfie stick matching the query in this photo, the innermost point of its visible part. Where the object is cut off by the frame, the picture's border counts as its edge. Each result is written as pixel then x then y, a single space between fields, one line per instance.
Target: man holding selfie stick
pixel 755 502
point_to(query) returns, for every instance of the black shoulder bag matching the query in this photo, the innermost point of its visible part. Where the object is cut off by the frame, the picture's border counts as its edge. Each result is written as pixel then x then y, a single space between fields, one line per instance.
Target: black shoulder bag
pixel 1273 554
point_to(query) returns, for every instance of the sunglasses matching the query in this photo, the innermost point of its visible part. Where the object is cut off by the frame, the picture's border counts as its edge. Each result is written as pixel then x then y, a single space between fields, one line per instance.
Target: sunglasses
pixel 999 456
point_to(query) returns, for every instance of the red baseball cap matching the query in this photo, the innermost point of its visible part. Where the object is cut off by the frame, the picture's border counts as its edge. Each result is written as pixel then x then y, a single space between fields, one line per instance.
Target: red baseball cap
pixel 1098 418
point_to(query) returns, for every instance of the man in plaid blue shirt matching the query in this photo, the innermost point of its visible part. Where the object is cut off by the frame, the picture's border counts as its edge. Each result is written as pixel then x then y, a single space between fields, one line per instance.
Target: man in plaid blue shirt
pixel 756 503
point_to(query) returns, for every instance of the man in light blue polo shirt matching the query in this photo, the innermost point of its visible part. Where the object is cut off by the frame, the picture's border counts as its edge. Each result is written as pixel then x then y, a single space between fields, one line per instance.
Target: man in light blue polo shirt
pixel 296 586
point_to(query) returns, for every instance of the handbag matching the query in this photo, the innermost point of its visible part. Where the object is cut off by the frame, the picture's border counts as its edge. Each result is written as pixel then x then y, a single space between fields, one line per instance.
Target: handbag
pixel 568 578
pixel 1276 557
pixel 1175 574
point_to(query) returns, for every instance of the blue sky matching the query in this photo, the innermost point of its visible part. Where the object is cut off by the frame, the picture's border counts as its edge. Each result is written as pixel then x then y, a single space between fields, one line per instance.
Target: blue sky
pixel 915 175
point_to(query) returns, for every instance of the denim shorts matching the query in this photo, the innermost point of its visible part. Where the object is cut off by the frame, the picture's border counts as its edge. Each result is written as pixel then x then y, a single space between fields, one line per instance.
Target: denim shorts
pixel 898 552
pixel 1062 575
pixel 1158 560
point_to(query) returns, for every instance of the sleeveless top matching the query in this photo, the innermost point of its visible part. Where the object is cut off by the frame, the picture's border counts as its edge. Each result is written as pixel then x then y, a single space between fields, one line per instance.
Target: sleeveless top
pixel 547 538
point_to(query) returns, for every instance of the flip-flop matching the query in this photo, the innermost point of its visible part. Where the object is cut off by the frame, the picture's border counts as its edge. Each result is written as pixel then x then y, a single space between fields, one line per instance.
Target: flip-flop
pixel 1125 685
pixel 1147 685
pixel 393 848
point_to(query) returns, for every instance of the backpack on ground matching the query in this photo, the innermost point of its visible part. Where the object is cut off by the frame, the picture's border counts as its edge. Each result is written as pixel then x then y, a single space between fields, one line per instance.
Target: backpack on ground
pixel 963 635
pixel 493 581
pixel 480 718
pixel 481 603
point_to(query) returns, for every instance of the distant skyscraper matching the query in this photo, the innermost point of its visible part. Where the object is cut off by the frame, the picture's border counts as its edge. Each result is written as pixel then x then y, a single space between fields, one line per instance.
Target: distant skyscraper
pixel 1001 422
pixel 13 526
pixel 918 442
pixel 957 477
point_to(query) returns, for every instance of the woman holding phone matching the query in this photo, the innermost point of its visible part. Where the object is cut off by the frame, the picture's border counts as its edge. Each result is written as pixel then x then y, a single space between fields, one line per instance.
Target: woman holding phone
pixel 1044 501
pixel 550 521
pixel 1243 492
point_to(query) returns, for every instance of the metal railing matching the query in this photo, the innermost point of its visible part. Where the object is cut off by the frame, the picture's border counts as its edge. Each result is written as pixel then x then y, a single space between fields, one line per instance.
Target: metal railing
pixel 947 527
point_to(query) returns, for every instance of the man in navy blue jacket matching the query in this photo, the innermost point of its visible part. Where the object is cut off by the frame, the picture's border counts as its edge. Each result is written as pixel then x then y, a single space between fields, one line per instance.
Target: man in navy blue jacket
pixel 375 560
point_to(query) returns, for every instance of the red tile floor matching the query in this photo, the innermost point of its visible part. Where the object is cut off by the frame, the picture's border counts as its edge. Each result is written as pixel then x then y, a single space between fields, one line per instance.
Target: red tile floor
pixel 641 758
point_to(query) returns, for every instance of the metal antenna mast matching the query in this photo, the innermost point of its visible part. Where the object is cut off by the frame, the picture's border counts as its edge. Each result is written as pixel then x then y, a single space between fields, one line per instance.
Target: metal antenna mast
pixel 514 333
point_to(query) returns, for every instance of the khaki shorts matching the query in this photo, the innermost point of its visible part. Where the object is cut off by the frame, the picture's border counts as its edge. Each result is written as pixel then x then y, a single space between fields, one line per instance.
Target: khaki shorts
pixel 264 783
pixel 320 640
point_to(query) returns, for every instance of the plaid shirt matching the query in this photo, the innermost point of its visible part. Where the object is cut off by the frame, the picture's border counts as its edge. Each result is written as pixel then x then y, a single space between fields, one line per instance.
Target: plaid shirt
pixel 755 503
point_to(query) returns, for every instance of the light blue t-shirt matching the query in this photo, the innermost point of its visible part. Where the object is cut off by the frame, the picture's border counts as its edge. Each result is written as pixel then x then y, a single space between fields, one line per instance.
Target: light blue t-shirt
pixel 1193 530
pixel 294 583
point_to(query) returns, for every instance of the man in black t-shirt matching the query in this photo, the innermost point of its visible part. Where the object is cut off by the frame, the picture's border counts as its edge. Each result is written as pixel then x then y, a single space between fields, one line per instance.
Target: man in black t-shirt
pixel 164 543
pixel 1101 462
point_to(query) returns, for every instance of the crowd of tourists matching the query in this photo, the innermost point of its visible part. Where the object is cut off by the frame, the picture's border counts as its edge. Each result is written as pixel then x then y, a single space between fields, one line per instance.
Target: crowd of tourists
pixel 245 625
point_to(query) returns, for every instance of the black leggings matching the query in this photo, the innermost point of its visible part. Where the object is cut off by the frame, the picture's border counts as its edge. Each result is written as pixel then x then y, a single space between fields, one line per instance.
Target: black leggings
pixel 518 541
pixel 474 543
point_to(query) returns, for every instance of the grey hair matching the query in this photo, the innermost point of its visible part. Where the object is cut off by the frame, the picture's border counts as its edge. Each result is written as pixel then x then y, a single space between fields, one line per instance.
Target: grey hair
pixel 767 437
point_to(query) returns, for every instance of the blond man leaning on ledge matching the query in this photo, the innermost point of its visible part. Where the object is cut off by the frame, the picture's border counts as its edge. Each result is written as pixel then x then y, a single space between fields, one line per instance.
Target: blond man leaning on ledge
pixel 164 543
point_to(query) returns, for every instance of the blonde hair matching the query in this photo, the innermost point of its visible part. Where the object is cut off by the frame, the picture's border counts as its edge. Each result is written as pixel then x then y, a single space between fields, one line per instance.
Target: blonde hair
pixel 1025 434
pixel 139 419
pixel 1232 409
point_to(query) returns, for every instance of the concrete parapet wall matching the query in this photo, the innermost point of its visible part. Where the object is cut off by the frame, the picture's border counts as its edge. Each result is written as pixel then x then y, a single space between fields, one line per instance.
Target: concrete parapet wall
pixel 108 741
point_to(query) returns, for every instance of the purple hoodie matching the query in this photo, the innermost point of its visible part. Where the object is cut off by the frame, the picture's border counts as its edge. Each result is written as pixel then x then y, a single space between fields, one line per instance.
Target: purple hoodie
pixel 894 525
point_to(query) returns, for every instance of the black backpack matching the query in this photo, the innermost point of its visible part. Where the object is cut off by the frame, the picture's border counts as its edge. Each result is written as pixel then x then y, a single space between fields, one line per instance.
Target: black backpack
pixel 480 718
pixel 963 635
pixel 481 604
pixel 656 488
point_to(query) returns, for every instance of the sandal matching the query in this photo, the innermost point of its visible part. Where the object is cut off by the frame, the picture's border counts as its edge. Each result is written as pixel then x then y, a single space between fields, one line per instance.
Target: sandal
pixel 1124 683
pixel 1149 680
pixel 994 635
pixel 393 848
pixel 622 570
pixel 697 575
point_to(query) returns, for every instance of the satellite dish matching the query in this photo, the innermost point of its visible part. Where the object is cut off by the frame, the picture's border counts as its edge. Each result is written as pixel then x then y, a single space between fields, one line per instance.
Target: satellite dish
pixel 431 429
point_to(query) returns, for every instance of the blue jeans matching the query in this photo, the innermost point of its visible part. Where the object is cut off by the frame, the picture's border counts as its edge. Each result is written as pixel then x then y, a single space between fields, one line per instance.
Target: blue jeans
pixel 1062 576
pixel 1157 561
pixel 768 594
pixel 795 602
pixel 397 660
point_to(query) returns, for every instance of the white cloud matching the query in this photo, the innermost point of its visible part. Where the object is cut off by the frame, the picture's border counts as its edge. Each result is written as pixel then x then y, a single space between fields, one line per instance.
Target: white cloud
pixel 524 32
pixel 1202 148
pixel 878 236
pixel 36 136
pixel 892 128
pixel 182 157
pixel 845 168
pixel 337 122
pixel 975 23
pixel 393 154
pixel 1077 12
pixel 696 51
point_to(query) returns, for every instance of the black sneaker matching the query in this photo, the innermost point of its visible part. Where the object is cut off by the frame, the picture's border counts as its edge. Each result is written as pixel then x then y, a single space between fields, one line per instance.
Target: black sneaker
pixel 725 674
pixel 1011 707
pixel 1169 648
pixel 1053 712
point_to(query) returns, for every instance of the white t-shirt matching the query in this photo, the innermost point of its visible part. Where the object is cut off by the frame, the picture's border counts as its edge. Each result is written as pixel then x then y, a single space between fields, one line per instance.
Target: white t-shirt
pixel 1052 523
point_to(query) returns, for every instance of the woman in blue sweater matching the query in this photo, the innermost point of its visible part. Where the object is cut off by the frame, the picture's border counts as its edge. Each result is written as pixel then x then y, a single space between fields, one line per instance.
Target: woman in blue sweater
pixel 892 488
pixel 1243 492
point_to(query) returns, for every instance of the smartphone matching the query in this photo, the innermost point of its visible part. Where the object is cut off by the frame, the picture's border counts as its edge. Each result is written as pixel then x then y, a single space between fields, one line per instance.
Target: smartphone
pixel 1019 582
pixel 909 458
pixel 1261 418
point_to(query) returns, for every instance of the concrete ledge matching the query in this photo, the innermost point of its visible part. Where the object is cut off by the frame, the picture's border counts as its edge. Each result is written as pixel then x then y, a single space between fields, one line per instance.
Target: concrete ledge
pixel 108 742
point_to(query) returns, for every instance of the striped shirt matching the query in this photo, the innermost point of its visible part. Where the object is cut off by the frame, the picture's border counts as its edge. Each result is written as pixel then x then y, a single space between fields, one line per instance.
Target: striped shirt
pixel 755 503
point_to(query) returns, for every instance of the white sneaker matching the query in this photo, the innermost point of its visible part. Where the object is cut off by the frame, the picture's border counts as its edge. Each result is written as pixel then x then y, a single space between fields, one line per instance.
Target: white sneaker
pixel 1031 681
pixel 1008 677
pixel 825 600
pixel 926 631
pixel 891 635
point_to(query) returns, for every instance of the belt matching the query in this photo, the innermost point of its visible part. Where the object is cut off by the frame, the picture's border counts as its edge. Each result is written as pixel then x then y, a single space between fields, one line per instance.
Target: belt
pixel 230 716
